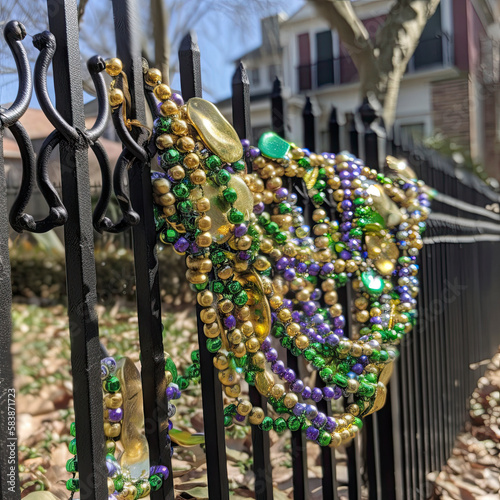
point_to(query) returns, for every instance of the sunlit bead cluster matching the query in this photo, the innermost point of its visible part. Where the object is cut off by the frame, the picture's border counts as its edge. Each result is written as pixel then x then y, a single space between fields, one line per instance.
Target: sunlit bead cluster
pixel 264 274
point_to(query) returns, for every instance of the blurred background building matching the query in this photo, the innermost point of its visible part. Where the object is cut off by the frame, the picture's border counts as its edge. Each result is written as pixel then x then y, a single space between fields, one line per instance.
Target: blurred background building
pixel 451 84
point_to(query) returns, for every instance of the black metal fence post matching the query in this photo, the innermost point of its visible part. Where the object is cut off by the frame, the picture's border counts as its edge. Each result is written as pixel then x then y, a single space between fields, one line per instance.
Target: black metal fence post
pixel 334 131
pixel 309 126
pixel 14 33
pixel 260 439
pixel 277 116
pixel 213 416
pixel 370 138
pixel 352 134
pixel 79 247
pixel 145 259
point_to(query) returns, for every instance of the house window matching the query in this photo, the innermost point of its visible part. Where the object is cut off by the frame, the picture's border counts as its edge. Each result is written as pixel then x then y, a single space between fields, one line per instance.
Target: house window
pixel 411 134
pixel 429 51
pixel 304 69
pixel 254 76
pixel 324 52
pixel 273 71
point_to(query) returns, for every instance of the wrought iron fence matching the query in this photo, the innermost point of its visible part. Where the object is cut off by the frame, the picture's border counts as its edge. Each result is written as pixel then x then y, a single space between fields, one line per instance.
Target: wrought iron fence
pixel 410 437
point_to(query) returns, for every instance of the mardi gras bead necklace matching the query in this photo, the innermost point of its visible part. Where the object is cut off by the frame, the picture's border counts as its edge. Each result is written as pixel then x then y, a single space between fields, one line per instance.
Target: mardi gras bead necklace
pixel 260 271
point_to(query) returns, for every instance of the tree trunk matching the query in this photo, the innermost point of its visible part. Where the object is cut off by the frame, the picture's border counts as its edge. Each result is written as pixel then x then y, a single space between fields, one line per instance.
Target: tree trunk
pixel 160 20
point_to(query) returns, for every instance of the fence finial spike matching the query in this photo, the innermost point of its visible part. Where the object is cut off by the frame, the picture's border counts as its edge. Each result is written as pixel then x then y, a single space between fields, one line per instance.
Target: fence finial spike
pixel 240 74
pixel 189 42
pixel 308 106
pixel 276 87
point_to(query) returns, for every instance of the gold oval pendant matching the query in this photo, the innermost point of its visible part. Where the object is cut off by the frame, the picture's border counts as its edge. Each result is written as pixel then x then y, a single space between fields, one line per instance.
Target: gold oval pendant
pixel 215 131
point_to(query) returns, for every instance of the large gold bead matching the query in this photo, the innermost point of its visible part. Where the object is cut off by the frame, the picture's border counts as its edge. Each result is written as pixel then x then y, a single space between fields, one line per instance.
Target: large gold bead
pixel 162 91
pixel 235 337
pixel 114 66
pixel 318 215
pixel 168 211
pixel 244 242
pixel 214 130
pixel 111 486
pixel 331 298
pixel 261 263
pixel 264 382
pixel 226 306
pixel 166 199
pixel 293 329
pixel 240 350
pixel 275 301
pixel 169 108
pixel 247 328
pixel 336 440
pixel 204 223
pixel 153 76
pixel 116 97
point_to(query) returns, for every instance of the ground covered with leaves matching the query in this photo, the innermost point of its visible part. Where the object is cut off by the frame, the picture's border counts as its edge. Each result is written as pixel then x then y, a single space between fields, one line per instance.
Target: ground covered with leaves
pixel 41 353
pixel 473 470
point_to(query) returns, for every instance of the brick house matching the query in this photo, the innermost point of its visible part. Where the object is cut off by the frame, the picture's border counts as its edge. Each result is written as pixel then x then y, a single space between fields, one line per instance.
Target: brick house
pixel 452 83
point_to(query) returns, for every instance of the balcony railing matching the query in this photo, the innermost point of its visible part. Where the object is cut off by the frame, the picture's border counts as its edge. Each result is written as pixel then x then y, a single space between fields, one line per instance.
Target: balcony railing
pixel 436 51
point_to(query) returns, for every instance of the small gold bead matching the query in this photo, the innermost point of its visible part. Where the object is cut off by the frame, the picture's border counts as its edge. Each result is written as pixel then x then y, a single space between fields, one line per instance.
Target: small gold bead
pixel 177 173
pixel 165 200
pixel 331 298
pixel 259 360
pixel 226 306
pixel 211 330
pixel 205 298
pixel 277 391
pixel 290 400
pixel 235 337
pixel 247 328
pixel 261 263
pixel 228 377
pixel 153 76
pixel 204 240
pixel 162 91
pixel 328 285
pixel 240 350
pixel 244 408
pixel 336 440
pixel 335 310
pixel 111 486
pixel 195 277
pixel 244 242
pixel 161 185
pixel 293 329
pixel 244 313
pixel 112 430
pixel 220 361
pixel 362 316
pixel 208 315
pixel 114 400
pixel 256 415
pixel 284 315
pixel 225 273
pixel 275 301
pixel 301 341
pixel 203 205
pixel 318 214
pixel 191 161
pixel 179 127
pixel 233 391
pixel 169 108
pixel 353 409
pixel 116 97
pixel 185 144
pixel 168 211
pixel 114 66
pixel 204 223
pixel 252 344
pixel 198 177
pixel 169 378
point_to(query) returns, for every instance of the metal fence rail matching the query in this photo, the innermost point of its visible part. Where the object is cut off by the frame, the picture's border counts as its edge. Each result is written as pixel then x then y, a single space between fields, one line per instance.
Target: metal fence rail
pixel 426 407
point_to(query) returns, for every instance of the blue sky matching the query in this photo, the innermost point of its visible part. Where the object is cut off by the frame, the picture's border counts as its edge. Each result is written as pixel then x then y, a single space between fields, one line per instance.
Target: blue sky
pixel 220 37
